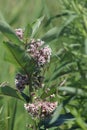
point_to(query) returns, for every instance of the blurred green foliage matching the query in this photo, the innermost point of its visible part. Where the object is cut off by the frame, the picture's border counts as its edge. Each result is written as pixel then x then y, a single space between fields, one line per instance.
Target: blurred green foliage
pixel 18 14
pixel 64 28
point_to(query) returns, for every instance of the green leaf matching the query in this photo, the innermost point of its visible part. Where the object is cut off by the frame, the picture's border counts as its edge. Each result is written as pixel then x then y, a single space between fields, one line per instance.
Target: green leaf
pixel 57 113
pixel 8 32
pixel 58 110
pixel 60 69
pixel 55 32
pixel 27 32
pixel 13 115
pixel 60 120
pixel 58 16
pixel 8 91
pixel 16 55
pixel 79 120
pixel 50 35
pixel 26 97
pixel 73 90
pixel 36 26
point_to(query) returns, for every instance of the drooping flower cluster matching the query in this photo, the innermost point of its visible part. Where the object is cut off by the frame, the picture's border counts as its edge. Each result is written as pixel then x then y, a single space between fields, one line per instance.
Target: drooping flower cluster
pixel 39 54
pixel 19 32
pixel 41 108
pixel 21 81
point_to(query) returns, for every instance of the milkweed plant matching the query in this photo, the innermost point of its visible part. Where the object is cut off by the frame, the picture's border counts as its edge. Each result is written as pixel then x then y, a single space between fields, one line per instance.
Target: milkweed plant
pixel 32 57
pixel 50 70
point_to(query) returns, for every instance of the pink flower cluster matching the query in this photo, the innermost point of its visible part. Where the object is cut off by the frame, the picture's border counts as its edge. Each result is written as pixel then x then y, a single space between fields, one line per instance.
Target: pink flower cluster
pixel 41 108
pixel 41 55
pixel 19 32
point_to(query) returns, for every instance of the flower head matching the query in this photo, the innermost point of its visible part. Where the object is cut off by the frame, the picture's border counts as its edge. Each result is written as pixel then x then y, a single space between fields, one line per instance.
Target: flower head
pixel 40 54
pixel 41 108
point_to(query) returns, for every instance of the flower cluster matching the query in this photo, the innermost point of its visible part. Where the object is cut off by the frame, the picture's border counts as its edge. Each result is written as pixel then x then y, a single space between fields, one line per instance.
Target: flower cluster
pixel 40 55
pixel 41 108
pixel 19 32
pixel 21 81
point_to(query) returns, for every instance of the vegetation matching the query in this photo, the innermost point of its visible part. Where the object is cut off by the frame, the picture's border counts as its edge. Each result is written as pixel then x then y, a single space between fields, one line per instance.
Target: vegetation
pixel 43 82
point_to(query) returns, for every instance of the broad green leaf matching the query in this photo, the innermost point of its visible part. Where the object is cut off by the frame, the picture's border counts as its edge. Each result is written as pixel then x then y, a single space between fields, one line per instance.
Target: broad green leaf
pixel 16 55
pixel 8 91
pixel 58 110
pixel 26 97
pixel 56 113
pixel 73 90
pixel 36 26
pixel 51 34
pixel 60 120
pixel 27 32
pixel 55 32
pixel 8 32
